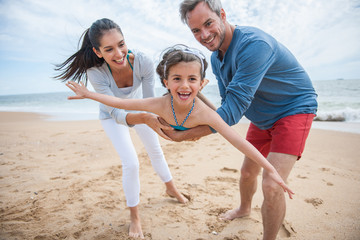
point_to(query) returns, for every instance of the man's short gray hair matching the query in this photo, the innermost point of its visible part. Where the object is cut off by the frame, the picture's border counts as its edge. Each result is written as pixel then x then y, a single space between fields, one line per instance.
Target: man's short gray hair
pixel 188 5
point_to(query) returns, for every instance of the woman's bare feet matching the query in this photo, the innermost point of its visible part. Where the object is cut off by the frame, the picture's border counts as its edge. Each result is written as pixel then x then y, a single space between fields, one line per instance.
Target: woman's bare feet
pixel 135 230
pixel 234 213
pixel 172 191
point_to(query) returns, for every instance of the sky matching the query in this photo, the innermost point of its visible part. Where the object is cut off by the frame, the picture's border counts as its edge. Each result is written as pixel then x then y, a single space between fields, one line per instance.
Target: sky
pixel 324 35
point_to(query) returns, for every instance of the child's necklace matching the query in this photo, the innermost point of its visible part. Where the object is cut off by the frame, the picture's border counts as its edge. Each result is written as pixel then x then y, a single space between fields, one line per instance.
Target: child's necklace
pixel 173 110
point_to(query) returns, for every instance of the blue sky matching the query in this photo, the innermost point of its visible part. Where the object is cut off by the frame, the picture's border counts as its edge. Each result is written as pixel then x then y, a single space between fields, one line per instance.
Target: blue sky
pixel 36 34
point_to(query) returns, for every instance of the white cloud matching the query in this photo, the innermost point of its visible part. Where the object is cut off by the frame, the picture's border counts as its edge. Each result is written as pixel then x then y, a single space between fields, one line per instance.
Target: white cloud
pixel 322 34
pixel 319 33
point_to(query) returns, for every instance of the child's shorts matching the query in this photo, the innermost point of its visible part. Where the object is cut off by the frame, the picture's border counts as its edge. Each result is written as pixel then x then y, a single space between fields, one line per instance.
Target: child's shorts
pixel 288 135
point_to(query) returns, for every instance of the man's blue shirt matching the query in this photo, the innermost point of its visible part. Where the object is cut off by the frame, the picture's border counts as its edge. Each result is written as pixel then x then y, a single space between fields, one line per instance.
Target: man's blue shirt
pixel 258 77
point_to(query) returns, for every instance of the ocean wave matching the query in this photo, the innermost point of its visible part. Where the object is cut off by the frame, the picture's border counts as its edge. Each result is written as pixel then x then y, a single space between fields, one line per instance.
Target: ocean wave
pixel 343 115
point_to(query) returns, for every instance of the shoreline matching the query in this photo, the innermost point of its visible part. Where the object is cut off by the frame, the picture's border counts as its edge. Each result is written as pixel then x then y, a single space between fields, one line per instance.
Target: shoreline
pixel 63 180
pixel 347 127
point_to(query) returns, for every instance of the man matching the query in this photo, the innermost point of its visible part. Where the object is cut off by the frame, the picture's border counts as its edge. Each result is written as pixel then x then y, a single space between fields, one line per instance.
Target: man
pixel 259 78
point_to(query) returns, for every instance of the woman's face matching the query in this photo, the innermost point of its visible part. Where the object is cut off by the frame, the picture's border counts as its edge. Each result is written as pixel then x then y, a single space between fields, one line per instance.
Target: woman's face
pixel 184 81
pixel 113 49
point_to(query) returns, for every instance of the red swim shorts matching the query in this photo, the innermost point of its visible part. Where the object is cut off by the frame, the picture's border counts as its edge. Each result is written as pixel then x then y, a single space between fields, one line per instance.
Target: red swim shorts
pixel 288 135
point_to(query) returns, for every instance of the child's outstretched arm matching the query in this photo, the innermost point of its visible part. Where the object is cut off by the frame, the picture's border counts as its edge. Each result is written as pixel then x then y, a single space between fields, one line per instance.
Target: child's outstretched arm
pixel 146 104
pixel 216 122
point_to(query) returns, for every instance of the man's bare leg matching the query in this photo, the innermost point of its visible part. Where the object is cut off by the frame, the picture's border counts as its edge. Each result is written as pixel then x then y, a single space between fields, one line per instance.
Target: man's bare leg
pixel 135 225
pixel 248 185
pixel 274 205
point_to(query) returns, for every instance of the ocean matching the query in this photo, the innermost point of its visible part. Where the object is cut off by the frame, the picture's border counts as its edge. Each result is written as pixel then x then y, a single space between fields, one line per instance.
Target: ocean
pixel 339 102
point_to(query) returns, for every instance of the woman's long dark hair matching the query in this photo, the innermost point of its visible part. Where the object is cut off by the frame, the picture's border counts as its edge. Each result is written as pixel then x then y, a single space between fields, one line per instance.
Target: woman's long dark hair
pixel 74 68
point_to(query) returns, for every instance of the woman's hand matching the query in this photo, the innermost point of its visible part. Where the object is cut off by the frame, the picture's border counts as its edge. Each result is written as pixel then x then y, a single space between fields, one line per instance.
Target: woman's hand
pixel 158 125
pixel 79 89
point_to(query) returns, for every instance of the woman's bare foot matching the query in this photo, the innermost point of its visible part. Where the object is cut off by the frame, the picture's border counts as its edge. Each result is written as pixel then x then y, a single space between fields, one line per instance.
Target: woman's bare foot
pixel 234 213
pixel 135 230
pixel 173 192
pixel 182 198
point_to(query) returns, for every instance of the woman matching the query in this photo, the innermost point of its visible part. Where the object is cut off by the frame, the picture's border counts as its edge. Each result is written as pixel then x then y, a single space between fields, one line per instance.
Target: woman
pixel 114 70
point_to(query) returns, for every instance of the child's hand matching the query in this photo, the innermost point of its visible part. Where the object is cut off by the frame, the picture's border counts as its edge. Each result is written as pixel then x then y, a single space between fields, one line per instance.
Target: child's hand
pixel 79 89
pixel 276 177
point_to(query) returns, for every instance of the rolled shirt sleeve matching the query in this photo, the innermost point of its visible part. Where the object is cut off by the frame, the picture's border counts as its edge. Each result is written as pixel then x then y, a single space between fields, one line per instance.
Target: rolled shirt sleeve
pixel 248 68
pixel 260 78
pixel 99 79
pixel 143 86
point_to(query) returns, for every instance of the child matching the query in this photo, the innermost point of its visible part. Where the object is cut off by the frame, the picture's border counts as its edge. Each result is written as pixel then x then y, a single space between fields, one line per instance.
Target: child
pixel 182 72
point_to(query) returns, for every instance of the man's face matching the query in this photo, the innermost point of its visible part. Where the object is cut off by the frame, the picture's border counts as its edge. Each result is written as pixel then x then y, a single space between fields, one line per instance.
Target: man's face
pixel 207 27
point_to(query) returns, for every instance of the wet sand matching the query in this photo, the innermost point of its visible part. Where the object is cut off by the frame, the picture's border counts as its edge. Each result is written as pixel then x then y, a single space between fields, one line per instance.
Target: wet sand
pixel 62 180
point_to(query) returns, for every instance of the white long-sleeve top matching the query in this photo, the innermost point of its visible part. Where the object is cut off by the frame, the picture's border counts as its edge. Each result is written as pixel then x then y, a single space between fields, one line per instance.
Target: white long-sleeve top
pixel 143 85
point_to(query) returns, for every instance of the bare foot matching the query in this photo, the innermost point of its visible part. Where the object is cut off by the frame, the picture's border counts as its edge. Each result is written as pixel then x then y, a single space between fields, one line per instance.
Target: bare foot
pixel 172 191
pixel 135 230
pixel 182 198
pixel 234 213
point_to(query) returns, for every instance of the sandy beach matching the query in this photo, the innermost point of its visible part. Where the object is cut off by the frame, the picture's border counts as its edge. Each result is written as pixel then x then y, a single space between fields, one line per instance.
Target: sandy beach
pixel 62 180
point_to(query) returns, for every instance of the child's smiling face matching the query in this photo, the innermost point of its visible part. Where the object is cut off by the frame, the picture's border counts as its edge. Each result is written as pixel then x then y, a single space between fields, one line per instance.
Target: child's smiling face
pixel 184 81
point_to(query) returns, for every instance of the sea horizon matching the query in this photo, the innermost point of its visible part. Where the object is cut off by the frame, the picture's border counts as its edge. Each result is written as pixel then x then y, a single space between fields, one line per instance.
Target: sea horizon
pixel 339 104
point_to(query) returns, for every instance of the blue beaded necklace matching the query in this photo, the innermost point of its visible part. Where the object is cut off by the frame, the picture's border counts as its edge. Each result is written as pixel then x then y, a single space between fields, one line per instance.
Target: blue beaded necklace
pixel 173 110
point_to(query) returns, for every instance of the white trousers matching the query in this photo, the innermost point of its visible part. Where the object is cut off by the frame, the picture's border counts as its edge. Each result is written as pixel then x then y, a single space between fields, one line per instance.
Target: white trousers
pixel 120 138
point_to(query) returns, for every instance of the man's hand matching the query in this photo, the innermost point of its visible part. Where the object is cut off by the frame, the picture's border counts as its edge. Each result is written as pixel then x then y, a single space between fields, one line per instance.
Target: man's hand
pixel 205 82
pixel 171 134
pixel 192 134
pixel 176 136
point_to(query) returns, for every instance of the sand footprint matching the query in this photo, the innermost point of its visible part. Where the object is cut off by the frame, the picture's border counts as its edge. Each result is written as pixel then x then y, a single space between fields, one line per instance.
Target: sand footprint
pixel 57 134
pixel 328 183
pixel 215 227
pixel 221 179
pixel 314 201
pixel 226 169
pixel 287 230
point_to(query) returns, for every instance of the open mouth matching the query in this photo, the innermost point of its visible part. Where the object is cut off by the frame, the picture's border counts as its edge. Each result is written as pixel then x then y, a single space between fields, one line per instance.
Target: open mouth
pixel 210 40
pixel 120 61
pixel 184 96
